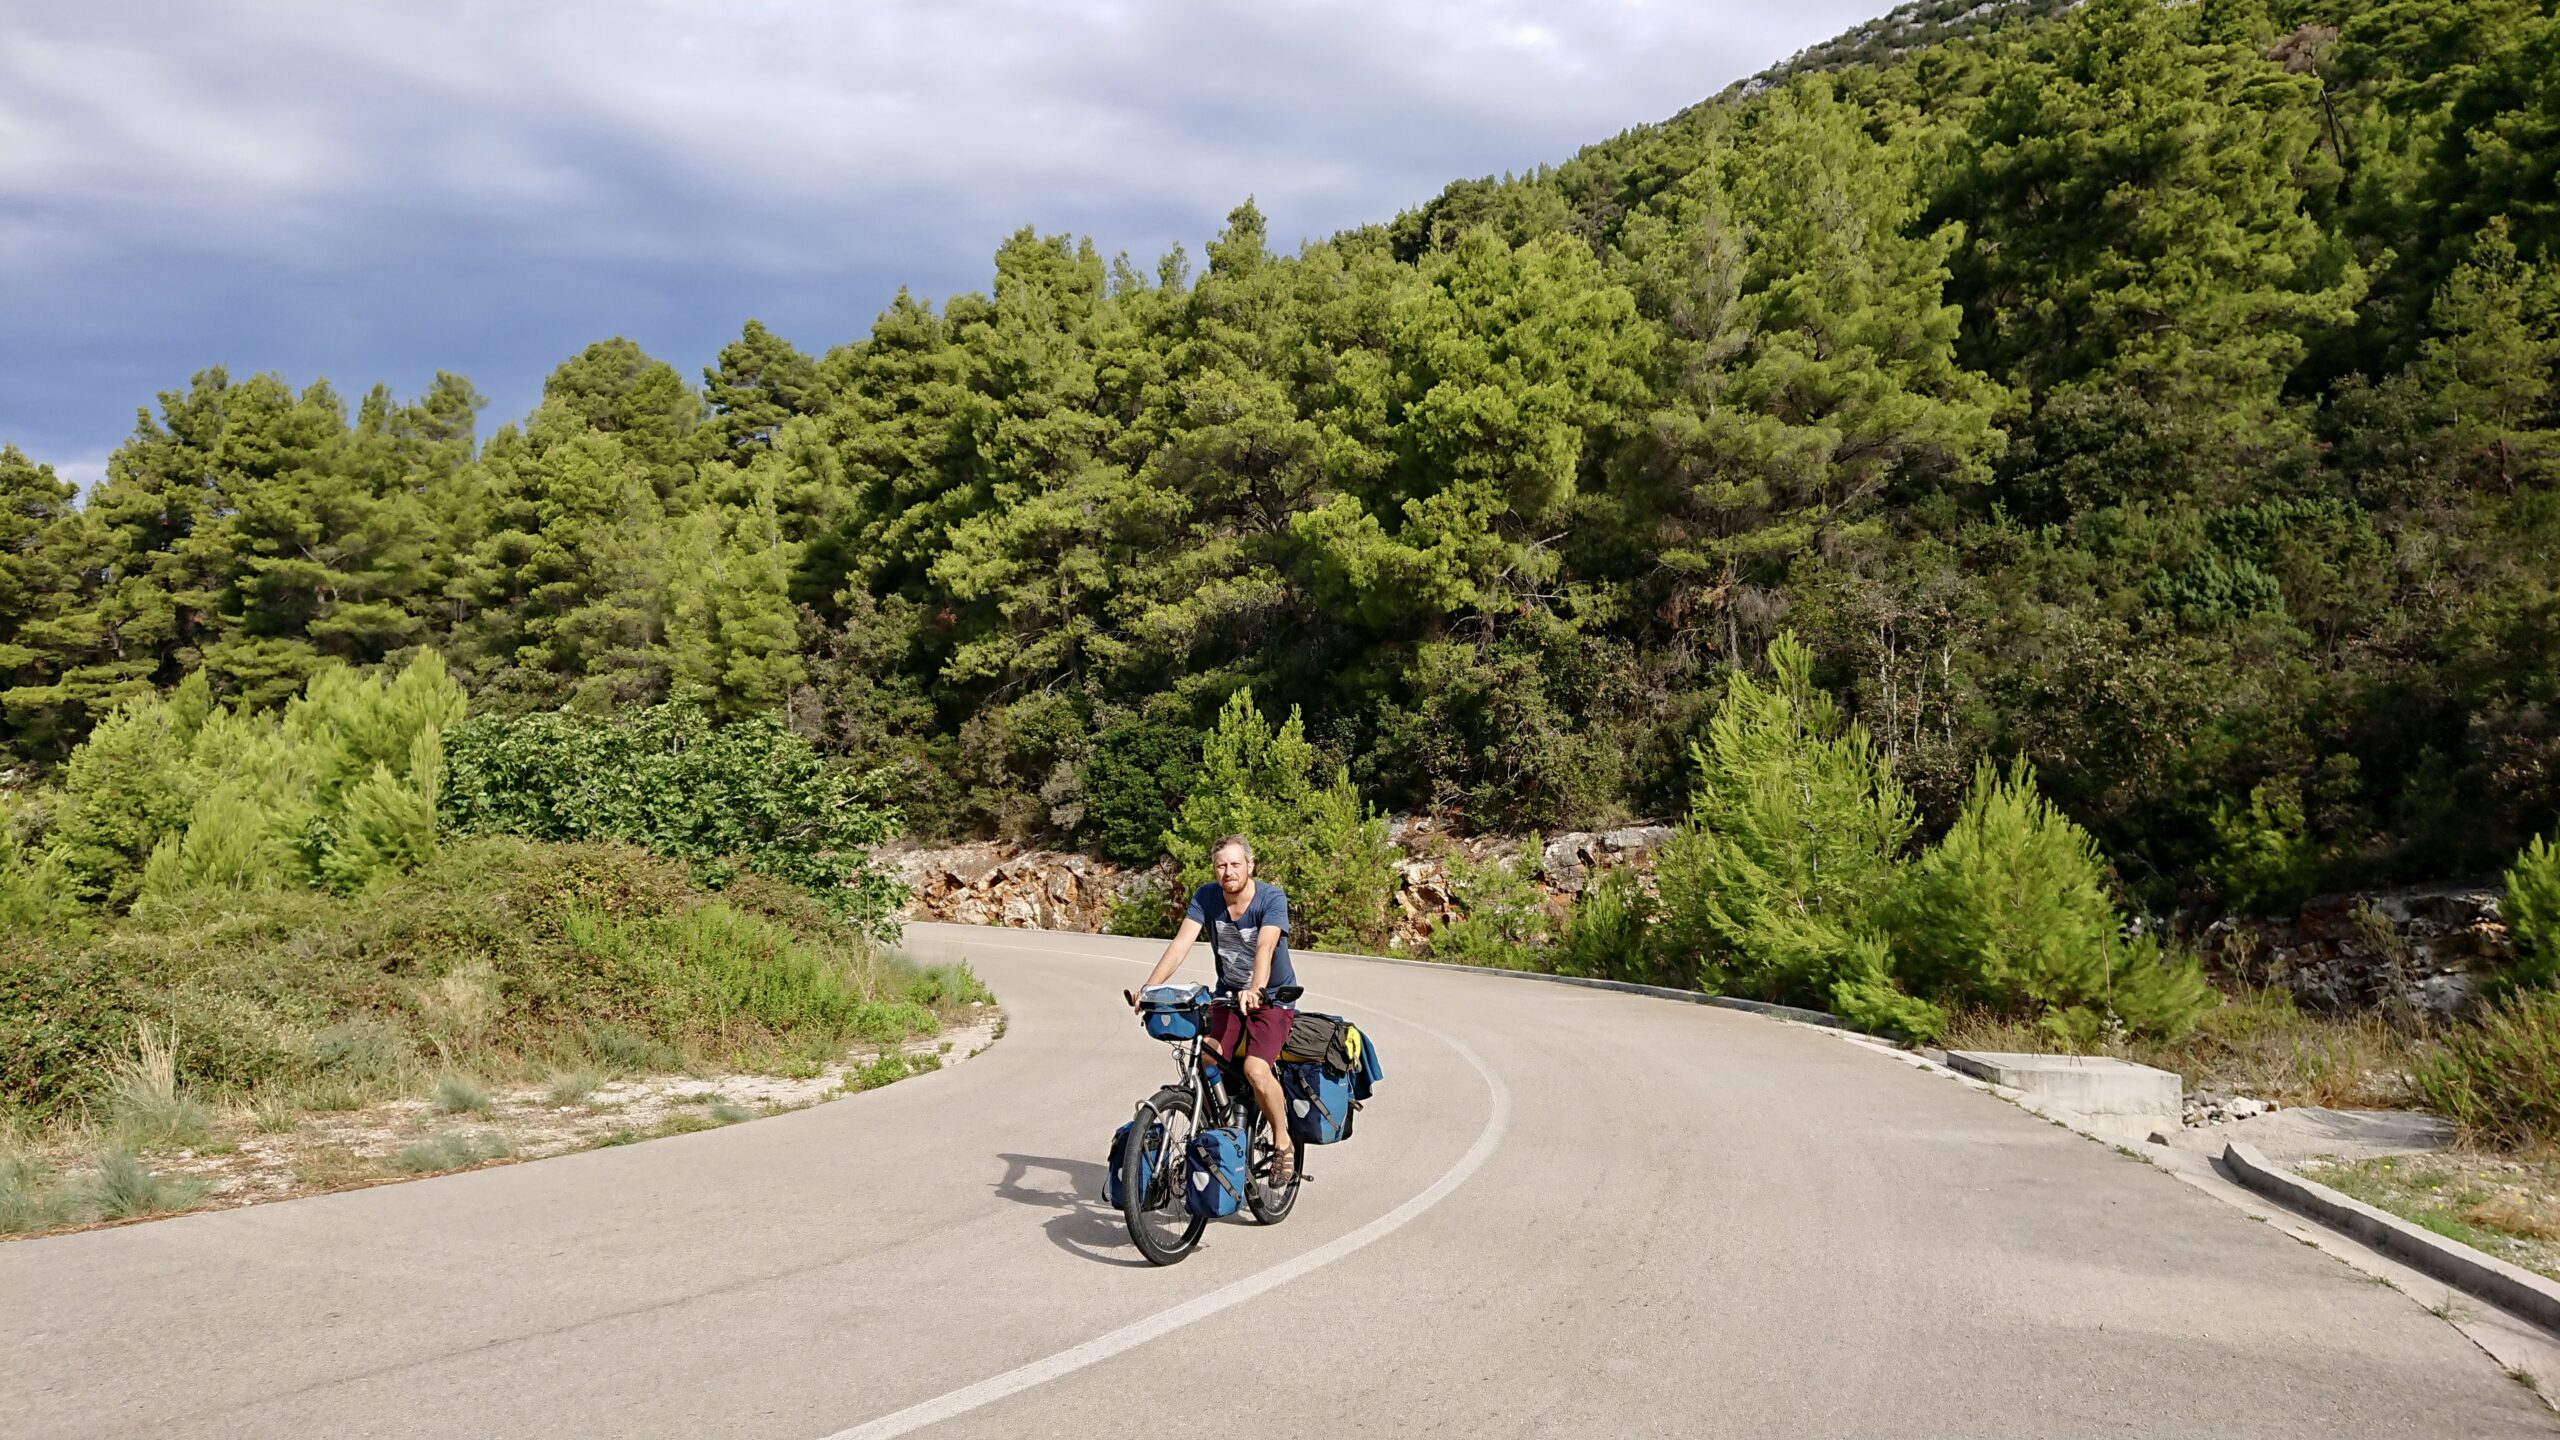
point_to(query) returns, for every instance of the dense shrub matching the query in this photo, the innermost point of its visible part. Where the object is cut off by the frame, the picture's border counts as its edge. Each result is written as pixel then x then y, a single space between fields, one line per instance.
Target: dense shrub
pixel 1317 841
pixel 1134 779
pixel 2532 911
pixel 1782 880
pixel 173 794
pixel 728 798
pixel 1608 934
pixel 1502 914
pixel 2010 912
pixel 500 954
pixel 2499 1081
pixel 1149 908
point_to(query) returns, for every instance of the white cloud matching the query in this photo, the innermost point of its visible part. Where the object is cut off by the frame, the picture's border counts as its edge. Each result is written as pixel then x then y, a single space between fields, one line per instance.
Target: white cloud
pixel 278 123
pixel 367 190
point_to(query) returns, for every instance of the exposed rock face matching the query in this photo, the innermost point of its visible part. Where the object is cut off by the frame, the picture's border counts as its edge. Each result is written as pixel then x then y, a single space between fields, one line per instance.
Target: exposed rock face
pixel 2420 953
pixel 994 884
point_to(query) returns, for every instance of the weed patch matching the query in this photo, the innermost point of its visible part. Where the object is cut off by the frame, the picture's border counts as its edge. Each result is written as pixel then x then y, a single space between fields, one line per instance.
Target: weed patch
pixel 124 1188
pixel 2499 1081
pixel 456 1095
pixel 2506 1206
pixel 890 1068
pixel 450 1151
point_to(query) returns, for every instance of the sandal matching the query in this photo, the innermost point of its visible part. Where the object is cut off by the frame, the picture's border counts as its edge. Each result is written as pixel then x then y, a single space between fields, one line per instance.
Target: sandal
pixel 1282 1171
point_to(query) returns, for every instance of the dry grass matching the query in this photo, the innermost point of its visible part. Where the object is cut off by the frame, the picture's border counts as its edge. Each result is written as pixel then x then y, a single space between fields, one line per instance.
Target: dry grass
pixel 2257 1043
pixel 2508 1206
pixel 267 1148
pixel 150 1110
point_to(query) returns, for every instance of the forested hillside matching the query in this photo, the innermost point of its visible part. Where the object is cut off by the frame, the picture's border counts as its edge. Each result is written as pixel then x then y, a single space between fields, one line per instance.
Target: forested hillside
pixel 2161 394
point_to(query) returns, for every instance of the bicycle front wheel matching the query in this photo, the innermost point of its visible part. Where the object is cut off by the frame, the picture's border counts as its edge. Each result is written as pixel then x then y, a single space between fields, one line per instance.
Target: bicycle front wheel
pixel 1153 1169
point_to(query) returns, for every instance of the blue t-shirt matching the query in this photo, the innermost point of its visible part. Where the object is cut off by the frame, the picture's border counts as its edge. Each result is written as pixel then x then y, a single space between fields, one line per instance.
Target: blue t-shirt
pixel 1232 942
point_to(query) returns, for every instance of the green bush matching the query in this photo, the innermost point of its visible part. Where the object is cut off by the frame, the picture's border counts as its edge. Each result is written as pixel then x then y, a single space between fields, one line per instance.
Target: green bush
pixel 65 1013
pixel 1150 909
pixel 1502 914
pixel 501 957
pixel 2263 861
pixel 174 794
pixel 1780 882
pixel 2010 912
pixel 1319 842
pixel 1608 934
pixel 1134 781
pixel 2499 1081
pixel 2532 912
pixel 743 796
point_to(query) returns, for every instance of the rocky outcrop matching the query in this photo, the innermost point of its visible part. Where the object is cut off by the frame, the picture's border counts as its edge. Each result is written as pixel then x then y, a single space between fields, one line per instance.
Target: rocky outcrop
pixel 2418 954
pixel 993 884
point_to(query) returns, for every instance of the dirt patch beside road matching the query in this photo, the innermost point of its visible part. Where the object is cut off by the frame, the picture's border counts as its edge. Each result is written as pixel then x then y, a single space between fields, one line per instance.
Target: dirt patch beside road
pixel 250 1157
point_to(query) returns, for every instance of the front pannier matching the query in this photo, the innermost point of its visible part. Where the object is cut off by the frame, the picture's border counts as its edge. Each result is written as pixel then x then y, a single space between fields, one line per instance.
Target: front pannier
pixel 1217 1178
pixel 1146 1161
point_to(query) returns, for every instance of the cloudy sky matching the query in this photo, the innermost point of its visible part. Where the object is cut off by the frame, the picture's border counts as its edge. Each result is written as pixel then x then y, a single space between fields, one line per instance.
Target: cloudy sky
pixel 371 191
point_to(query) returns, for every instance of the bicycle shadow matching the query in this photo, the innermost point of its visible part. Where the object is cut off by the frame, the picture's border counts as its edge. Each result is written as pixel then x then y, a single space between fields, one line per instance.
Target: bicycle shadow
pixel 1083 1227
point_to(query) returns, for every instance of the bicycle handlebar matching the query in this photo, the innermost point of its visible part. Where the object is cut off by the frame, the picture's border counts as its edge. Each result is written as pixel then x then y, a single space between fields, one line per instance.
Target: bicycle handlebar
pixel 1272 995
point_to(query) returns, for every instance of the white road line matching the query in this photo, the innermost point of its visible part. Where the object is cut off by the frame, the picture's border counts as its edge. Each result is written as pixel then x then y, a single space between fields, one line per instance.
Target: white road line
pixel 1164 1322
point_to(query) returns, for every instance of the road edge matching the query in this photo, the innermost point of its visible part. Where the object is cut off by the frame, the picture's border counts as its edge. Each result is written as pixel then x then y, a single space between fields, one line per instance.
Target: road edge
pixel 2512 1288
pixel 1796 1013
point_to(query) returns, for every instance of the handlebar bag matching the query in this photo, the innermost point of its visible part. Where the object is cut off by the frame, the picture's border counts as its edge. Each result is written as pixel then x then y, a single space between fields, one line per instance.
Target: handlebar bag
pixel 1216 1184
pixel 1319 1101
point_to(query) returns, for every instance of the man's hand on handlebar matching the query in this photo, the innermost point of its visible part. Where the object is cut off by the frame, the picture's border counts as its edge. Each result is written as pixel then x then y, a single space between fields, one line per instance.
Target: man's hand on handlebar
pixel 1249 1001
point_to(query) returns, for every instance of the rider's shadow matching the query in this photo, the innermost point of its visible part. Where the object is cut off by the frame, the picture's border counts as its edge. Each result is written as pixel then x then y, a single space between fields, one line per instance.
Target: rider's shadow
pixel 1084 1226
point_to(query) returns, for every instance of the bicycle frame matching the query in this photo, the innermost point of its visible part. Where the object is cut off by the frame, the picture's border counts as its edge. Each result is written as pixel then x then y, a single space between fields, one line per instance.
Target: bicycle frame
pixel 1210 1093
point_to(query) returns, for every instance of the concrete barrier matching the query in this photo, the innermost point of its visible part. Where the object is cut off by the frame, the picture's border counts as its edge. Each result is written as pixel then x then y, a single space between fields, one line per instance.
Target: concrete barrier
pixel 2124 1095
pixel 2509 1287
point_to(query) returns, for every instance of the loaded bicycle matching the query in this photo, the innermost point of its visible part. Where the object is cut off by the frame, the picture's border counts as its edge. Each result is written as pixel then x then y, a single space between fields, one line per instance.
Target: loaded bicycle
pixel 1155 1166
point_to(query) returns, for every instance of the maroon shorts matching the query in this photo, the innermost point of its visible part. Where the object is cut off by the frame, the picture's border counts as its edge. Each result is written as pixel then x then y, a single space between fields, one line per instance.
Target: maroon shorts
pixel 1264 1033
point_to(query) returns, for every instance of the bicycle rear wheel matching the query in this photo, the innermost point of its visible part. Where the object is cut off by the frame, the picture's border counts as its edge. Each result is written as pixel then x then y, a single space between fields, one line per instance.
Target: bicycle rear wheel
pixel 1162 1226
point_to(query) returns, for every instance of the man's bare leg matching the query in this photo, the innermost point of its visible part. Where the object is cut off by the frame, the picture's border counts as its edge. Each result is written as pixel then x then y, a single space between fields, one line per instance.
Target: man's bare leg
pixel 1275 1108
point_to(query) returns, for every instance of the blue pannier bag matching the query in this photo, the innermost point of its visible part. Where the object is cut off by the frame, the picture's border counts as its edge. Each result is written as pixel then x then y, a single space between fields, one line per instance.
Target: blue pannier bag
pixel 1217 1177
pixel 1319 1099
pixel 1146 1162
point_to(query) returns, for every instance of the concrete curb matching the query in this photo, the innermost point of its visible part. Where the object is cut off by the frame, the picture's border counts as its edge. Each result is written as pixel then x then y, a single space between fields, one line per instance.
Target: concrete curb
pixel 2510 1287
pixel 1801 1016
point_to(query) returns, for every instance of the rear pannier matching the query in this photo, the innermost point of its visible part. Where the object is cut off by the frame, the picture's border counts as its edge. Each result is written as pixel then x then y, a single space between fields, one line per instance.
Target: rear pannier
pixel 1327 1068
pixel 1320 1103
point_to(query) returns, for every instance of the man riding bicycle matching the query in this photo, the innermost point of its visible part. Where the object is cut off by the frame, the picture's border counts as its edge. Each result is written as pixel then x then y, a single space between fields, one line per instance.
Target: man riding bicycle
pixel 1247 923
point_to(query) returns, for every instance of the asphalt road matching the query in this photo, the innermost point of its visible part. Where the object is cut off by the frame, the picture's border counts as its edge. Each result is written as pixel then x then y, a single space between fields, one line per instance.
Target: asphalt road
pixel 1567 1213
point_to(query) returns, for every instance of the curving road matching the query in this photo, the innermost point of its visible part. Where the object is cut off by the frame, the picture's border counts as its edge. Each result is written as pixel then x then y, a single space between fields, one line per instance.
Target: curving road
pixel 1568 1213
